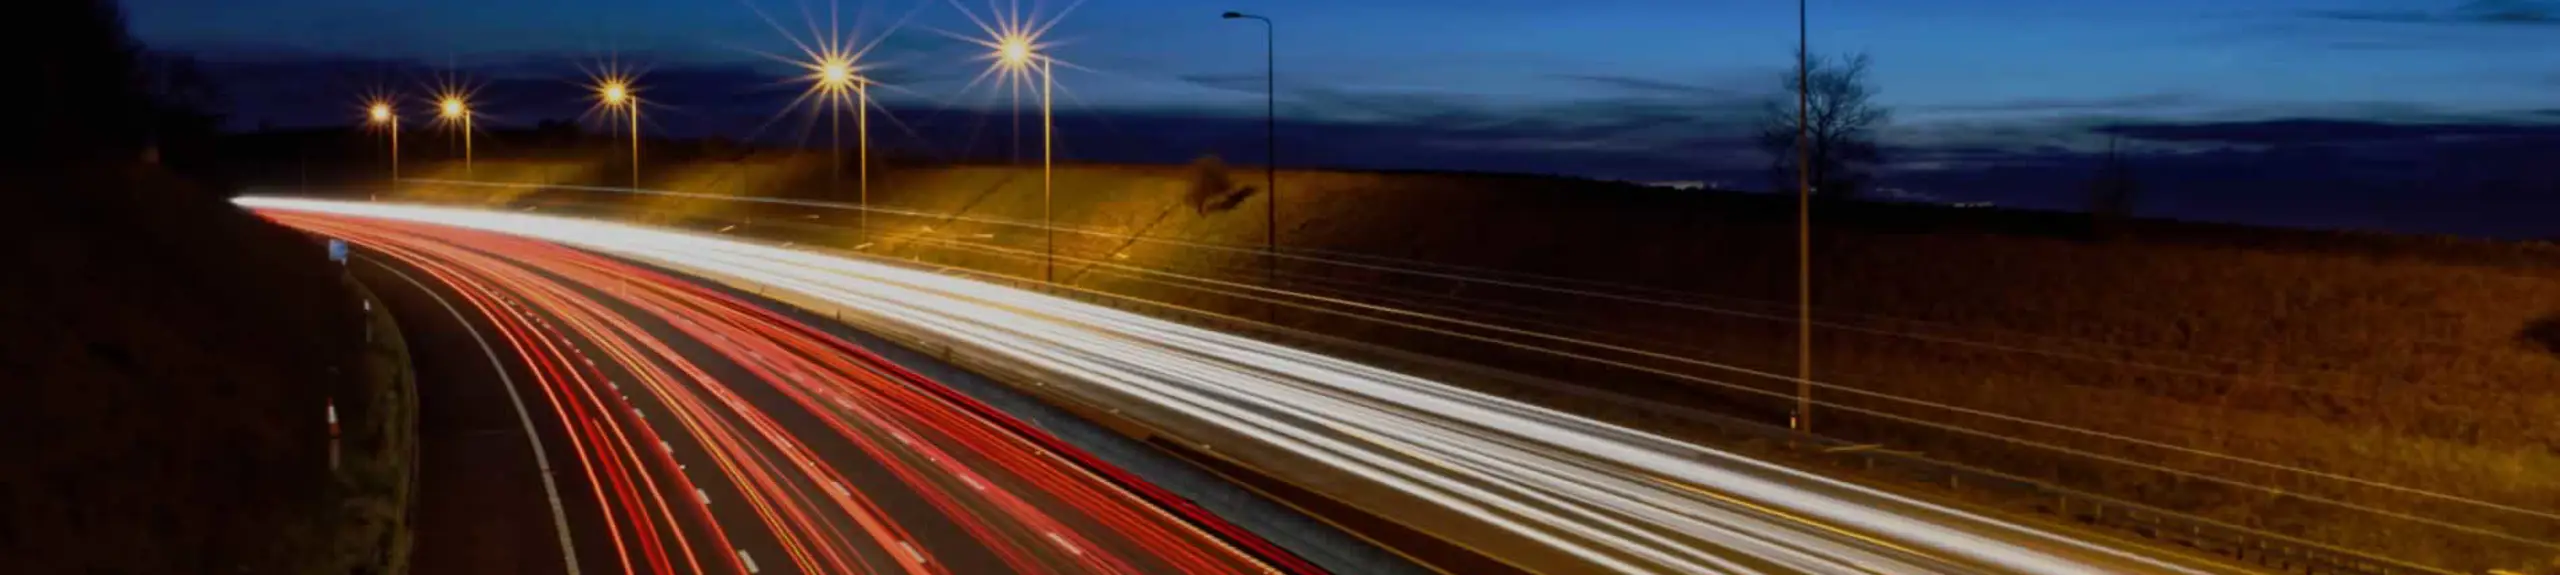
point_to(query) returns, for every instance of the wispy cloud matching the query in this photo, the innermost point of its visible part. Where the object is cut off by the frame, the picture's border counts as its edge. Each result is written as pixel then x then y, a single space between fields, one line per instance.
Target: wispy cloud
pixel 2128 103
pixel 2317 131
pixel 2472 12
pixel 1644 85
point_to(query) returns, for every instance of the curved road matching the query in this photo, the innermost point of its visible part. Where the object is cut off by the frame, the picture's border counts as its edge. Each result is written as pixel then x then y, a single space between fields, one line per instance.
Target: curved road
pixel 677 429
pixel 1542 490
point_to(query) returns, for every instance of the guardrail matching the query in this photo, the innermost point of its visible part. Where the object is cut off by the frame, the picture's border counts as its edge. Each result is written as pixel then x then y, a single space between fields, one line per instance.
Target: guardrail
pixel 2234 543
pixel 2241 545
pixel 2238 544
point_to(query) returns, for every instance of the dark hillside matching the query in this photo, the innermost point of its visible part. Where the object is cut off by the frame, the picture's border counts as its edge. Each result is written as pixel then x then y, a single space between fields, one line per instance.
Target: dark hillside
pixel 167 357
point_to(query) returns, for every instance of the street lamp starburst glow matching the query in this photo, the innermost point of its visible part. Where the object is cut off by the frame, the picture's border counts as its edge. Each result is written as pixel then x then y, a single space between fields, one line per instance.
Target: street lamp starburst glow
pixel 378 113
pixel 1016 51
pixel 453 109
pixel 617 93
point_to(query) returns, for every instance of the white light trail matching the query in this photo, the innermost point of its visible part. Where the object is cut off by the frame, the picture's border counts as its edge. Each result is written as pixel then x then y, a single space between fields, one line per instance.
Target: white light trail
pixel 1594 494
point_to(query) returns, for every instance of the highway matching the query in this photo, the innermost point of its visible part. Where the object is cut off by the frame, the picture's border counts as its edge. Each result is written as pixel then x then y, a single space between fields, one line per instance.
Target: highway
pixel 678 429
pixel 1542 490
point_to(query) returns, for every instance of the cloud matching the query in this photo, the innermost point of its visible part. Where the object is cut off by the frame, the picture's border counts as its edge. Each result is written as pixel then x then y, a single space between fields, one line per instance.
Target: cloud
pixel 1642 85
pixel 2323 131
pixel 2137 102
pixel 2475 12
pixel 1230 82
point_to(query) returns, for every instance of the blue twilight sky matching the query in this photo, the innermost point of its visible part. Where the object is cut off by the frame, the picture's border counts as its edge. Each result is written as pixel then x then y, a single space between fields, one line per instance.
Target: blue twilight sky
pixel 2004 100
pixel 1948 60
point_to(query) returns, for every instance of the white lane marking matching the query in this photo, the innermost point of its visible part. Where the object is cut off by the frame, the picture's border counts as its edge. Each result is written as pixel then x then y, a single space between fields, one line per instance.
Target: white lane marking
pixel 550 487
pixel 705 496
pixel 669 448
pixel 973 483
pixel 750 560
pixel 838 486
pixel 911 552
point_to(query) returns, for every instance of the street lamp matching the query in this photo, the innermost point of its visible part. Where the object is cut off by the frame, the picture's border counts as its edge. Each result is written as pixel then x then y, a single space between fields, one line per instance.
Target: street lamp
pixel 380 112
pixel 837 76
pixel 1270 147
pixel 617 93
pixel 1019 52
pixel 453 109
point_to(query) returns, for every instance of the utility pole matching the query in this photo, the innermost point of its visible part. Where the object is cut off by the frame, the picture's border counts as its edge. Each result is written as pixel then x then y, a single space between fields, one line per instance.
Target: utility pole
pixel 1803 420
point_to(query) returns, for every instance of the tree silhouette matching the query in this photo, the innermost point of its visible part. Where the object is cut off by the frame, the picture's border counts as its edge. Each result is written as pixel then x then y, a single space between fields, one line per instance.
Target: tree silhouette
pixel 88 100
pixel 1841 142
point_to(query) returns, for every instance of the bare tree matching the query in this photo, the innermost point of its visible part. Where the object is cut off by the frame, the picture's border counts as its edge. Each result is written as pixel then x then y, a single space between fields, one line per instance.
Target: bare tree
pixel 1842 139
pixel 1211 190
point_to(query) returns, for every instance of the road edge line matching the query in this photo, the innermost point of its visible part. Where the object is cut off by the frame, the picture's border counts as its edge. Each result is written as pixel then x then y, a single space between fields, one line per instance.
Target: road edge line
pixel 541 457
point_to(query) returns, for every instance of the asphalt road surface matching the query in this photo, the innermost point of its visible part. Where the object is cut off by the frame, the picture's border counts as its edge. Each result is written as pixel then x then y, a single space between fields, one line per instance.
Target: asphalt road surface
pixel 1543 490
pixel 627 421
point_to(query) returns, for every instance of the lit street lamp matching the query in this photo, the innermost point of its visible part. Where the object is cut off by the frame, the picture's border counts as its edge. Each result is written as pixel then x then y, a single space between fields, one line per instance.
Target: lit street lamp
pixel 380 112
pixel 454 110
pixel 1017 51
pixel 1271 147
pixel 617 93
pixel 837 76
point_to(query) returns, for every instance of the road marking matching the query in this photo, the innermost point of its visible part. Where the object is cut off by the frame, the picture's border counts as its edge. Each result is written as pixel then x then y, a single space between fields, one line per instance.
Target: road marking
pixel 973 483
pixel 669 448
pixel 705 496
pixel 911 552
pixel 750 560
pixel 541 458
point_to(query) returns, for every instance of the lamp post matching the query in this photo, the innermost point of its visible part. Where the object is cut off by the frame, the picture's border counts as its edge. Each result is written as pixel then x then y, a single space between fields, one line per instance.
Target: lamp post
pixel 618 93
pixel 453 109
pixel 837 76
pixel 1017 51
pixel 381 114
pixel 1270 147
pixel 1803 420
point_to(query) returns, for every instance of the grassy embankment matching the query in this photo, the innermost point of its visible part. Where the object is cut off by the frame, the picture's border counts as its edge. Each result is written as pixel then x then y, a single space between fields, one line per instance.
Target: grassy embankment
pixel 2401 360
pixel 170 357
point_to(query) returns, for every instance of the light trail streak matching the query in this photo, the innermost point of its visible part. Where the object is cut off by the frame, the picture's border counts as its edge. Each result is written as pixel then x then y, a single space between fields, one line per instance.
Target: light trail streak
pixel 961 489
pixel 1545 490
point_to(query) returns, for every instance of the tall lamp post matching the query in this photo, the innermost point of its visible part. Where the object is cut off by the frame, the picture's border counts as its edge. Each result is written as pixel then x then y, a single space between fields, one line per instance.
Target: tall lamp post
pixel 1270 147
pixel 454 110
pixel 1804 226
pixel 380 113
pixel 836 78
pixel 1017 51
pixel 618 93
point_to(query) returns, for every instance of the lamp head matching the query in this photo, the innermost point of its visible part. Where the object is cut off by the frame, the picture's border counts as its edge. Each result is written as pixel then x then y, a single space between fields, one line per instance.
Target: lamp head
pixel 1232 15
